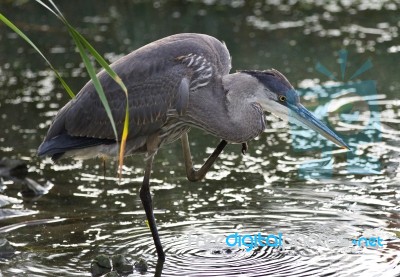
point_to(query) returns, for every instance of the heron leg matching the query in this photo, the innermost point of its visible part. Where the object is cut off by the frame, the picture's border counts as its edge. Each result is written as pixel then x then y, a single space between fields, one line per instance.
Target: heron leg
pixel 196 175
pixel 148 207
pixel 245 147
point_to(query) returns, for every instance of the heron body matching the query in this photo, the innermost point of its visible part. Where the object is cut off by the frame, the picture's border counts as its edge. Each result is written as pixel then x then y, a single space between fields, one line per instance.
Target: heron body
pixel 165 81
pixel 174 84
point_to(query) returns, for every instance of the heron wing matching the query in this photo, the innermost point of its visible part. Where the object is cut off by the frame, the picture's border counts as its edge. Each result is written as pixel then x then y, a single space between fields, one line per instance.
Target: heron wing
pixel 148 104
pixel 158 78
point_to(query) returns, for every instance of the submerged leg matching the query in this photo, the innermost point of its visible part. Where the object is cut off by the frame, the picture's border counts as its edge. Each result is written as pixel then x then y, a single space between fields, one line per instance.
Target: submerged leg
pixel 148 207
pixel 245 147
pixel 196 175
pixel 104 168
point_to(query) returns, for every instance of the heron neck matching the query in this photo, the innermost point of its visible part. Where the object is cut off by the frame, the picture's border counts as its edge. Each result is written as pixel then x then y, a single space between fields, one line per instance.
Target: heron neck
pixel 228 116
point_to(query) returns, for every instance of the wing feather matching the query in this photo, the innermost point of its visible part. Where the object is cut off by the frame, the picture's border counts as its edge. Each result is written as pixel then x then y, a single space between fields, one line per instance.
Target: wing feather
pixel 158 81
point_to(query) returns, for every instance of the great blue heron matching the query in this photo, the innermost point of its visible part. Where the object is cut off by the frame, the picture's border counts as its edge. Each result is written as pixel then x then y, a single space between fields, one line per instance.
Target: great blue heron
pixel 175 83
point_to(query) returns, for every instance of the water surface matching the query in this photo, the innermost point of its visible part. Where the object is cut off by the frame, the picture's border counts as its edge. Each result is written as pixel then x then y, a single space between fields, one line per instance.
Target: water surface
pixel 291 181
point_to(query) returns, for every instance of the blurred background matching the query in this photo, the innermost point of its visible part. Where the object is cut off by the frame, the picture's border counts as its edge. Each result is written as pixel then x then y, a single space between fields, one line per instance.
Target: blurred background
pixel 283 185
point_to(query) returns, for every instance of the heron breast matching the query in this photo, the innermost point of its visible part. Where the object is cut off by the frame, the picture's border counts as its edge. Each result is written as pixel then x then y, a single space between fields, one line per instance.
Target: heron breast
pixel 172 130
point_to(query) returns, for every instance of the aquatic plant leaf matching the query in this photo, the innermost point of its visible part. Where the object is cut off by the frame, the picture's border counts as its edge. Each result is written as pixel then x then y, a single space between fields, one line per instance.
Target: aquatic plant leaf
pixel 23 36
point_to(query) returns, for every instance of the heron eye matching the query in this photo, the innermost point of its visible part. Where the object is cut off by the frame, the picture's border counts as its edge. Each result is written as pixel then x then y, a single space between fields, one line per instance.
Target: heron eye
pixel 282 98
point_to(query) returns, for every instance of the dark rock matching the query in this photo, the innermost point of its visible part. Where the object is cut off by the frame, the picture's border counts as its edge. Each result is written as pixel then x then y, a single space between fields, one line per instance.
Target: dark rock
pixel 141 266
pixel 6 249
pixel 217 251
pixel 13 168
pixel 121 264
pixel 100 265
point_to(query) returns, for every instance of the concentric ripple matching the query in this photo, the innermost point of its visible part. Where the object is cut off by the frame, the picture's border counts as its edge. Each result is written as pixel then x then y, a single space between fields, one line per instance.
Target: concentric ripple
pixel 187 257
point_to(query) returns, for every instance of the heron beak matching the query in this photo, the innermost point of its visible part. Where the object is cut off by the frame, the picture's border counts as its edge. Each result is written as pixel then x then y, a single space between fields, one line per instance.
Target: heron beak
pixel 300 114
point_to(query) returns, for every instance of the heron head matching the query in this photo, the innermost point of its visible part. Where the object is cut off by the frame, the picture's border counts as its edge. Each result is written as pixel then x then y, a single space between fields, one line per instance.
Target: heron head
pixel 277 96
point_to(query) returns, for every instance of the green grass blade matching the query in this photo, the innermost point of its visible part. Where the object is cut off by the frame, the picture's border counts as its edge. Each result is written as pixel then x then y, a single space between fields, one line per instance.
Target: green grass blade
pixel 23 36
pixel 84 45
pixel 56 8
pixel 83 42
pixel 95 80
pixel 117 79
pixel 103 63
pixel 48 8
pixel 124 139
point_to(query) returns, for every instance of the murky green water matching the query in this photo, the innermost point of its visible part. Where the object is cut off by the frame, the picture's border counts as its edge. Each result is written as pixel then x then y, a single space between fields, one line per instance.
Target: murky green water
pixel 291 182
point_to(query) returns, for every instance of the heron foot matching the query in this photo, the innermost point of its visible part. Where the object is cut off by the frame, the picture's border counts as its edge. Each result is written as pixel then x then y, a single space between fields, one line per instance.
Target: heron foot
pixel 245 147
pixel 196 175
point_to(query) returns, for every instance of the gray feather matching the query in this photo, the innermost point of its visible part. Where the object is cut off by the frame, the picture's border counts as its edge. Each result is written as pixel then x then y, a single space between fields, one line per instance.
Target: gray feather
pixel 157 81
